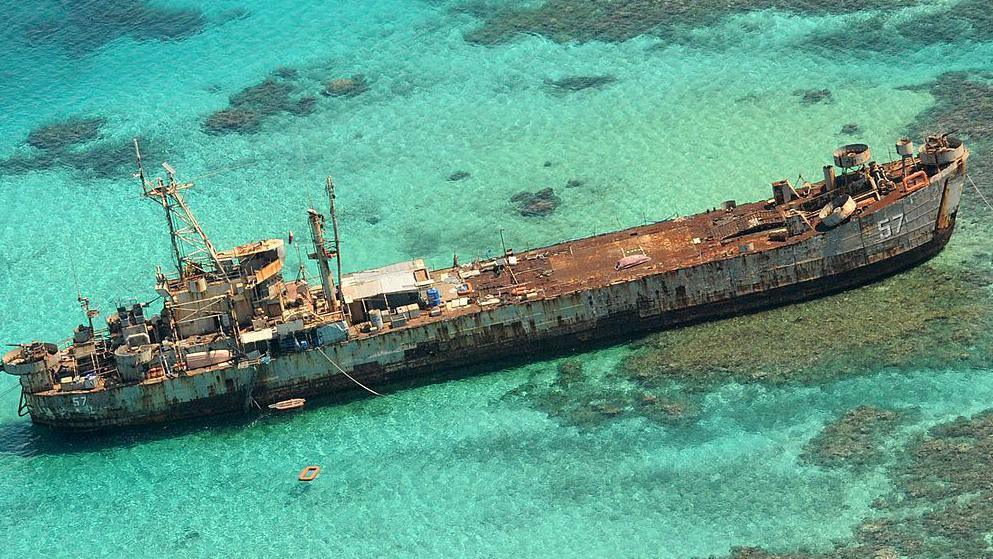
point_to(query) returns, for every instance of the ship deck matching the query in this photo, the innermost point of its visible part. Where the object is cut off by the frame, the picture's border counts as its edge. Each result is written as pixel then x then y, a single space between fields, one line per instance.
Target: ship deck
pixel 589 263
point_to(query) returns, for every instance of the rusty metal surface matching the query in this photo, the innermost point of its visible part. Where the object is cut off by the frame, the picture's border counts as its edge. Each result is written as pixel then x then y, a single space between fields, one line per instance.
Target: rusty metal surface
pixel 578 296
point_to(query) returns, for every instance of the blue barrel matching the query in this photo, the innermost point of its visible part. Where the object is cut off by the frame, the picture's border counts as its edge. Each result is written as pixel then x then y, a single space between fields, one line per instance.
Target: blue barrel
pixel 434 297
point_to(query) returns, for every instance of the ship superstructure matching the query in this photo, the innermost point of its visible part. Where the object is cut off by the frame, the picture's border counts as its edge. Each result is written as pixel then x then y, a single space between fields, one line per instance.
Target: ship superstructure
pixel 233 334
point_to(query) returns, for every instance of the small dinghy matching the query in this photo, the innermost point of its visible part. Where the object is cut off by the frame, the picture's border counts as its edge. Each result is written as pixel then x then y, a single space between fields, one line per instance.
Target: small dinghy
pixel 309 473
pixel 288 405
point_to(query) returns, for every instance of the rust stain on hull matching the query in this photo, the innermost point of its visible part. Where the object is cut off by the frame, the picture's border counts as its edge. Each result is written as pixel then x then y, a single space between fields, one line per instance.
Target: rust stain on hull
pixel 558 298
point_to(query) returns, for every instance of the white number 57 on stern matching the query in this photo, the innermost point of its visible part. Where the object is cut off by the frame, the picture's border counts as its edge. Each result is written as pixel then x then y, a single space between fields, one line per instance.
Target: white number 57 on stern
pixel 891 226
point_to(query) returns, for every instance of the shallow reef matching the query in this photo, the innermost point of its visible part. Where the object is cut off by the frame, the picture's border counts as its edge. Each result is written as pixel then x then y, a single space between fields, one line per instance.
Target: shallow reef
pixel 566 21
pixel 579 83
pixel 813 96
pixel 459 175
pixel 233 120
pixel 111 159
pixel 346 87
pixel 249 108
pixel 877 326
pixel 85 26
pixel 963 103
pixel 73 143
pixel 941 504
pixel 853 440
pixel 577 398
pixel 536 204
pixel 892 31
pixel 61 135
pixel 851 129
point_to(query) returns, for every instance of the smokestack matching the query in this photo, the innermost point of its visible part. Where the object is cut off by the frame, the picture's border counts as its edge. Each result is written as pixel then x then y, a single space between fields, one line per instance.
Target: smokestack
pixel 829 177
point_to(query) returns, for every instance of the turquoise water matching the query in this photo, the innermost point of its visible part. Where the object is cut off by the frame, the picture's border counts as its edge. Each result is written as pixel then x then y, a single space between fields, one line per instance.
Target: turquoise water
pixel 459 468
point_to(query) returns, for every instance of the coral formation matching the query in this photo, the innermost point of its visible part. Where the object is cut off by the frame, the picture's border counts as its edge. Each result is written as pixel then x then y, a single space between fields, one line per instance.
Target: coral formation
pixel 248 109
pixel 536 204
pixel 346 87
pixel 580 399
pixel 459 175
pixel 85 26
pixel 303 106
pixel 61 135
pixel 852 440
pixel 566 21
pixel 72 143
pixel 891 31
pixel 851 129
pixel 579 83
pixel 941 504
pixel 813 96
pixel 963 102
pixel 233 120
pixel 891 324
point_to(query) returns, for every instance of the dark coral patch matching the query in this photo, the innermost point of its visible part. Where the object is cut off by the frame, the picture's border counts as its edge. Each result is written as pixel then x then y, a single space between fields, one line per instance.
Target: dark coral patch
pixel 851 129
pixel 304 106
pixel 892 32
pixel 346 87
pixel 579 83
pixel 85 26
pixel 567 21
pixel 813 96
pixel 105 160
pixel 963 102
pixel 61 135
pixel 941 504
pixel 248 109
pixel 578 398
pixel 268 96
pixel 536 204
pixel 233 120
pixel 854 440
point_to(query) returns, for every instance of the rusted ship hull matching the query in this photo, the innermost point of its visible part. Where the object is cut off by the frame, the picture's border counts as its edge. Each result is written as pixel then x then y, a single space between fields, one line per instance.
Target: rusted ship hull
pixel 614 328
pixel 862 250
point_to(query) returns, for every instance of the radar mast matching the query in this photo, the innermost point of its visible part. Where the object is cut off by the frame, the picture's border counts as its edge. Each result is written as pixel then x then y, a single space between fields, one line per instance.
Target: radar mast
pixel 192 250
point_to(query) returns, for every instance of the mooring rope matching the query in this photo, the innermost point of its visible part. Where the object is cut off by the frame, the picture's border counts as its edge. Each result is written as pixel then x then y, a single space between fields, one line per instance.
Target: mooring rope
pixel 10 389
pixel 367 389
pixel 980 193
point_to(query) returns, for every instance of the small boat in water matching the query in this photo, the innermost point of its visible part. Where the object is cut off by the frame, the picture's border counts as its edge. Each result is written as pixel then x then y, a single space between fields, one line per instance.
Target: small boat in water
pixel 288 405
pixel 309 473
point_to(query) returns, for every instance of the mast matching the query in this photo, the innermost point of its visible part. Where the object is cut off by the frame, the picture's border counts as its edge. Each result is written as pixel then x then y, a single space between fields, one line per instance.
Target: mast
pixel 329 186
pixel 192 249
pixel 323 257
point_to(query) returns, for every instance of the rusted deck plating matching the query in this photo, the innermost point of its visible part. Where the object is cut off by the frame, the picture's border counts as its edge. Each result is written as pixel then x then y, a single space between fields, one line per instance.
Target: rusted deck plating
pixel 589 263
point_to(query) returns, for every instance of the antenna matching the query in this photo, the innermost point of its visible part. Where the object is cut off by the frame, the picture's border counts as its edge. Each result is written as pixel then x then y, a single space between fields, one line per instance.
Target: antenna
pixel 191 247
pixel 301 267
pixel 84 302
pixel 169 171
pixel 140 175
